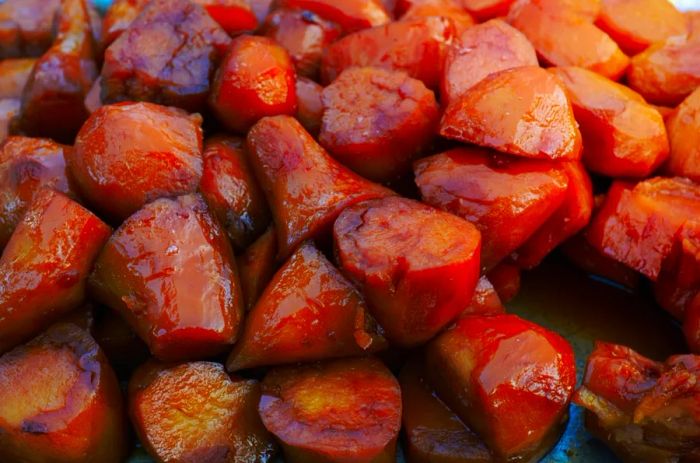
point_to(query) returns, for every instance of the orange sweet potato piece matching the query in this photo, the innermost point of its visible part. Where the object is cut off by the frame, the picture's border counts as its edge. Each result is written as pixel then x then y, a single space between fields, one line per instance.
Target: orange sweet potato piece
pixel 350 15
pixel 636 24
pixel 340 410
pixel 486 300
pixel 309 105
pixel 60 401
pixel 433 432
pixel 257 265
pixel 231 191
pixel 304 34
pixel 308 312
pixel 26 166
pixel 666 72
pixel 493 371
pixel 376 121
pixel 131 153
pixel 684 137
pixel 622 135
pixel 167 55
pixel 416 47
pixel 636 225
pixel 256 79
pixel 522 111
pixel 693 21
pixel 119 17
pixel 507 198
pixel 571 217
pixel 122 346
pixel 26 27
pixel 44 267
pixel 196 412
pixel 305 188
pixel 446 8
pixel 557 36
pixel 480 51
pixel 679 279
pixel 52 101
pixel 505 278
pixel 234 16
pixel 416 265
pixel 14 74
pixel 487 9
pixel 169 271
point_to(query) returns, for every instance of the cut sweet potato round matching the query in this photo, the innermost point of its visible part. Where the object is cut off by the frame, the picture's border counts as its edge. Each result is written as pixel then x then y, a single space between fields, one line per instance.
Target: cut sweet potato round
pixel 684 136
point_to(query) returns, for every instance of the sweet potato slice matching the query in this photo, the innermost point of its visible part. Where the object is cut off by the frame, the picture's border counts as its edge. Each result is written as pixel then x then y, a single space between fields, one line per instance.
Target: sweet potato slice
pixel 507 199
pixel 416 265
pixel 416 47
pixel 505 278
pixel 636 225
pixel 231 191
pixel 340 410
pixel 684 137
pixel 558 35
pixel 508 379
pixel 196 412
pixel 451 9
pixel 376 121
pixel 309 105
pixel 169 270
pixel 44 267
pixel 485 301
pixel 14 74
pixel 433 432
pixel 26 166
pixel 26 27
pixel 480 51
pixel 308 312
pixel 571 217
pixel 119 17
pixel 305 187
pixel 522 111
pixel 636 24
pixel 256 266
pixel 234 16
pixel 350 15
pixel 52 101
pixel 679 279
pixel 622 135
pixel 131 153
pixel 167 55
pixel 60 401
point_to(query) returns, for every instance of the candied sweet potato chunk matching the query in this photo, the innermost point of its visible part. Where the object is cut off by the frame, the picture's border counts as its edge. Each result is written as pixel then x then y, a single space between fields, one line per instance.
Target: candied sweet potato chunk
pixel 636 225
pixel 59 396
pixel 169 270
pixel 131 153
pixel 308 312
pixel 256 79
pixel 167 55
pixel 522 111
pixel 642 409
pixel 487 9
pixel 26 27
pixel 195 412
pixel 375 121
pixel 234 16
pixel 416 47
pixel 485 301
pixel 451 9
pixel 684 137
pixel 559 38
pixel 231 191
pixel 350 15
pixel 14 74
pixel 26 166
pixel 304 34
pixel 53 98
pixel 679 279
pixel 119 17
pixel 433 432
pixel 505 278
pixel 309 105
pixel 44 267
pixel 636 24
pixel 305 187
pixel 340 410
pixel 416 265
pixel 508 379
pixel 256 266
pixel 622 135
pixel 507 199
pixel 480 51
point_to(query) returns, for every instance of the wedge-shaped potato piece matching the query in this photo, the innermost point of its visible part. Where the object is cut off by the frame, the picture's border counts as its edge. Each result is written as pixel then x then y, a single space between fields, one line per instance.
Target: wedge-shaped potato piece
pixel 684 136
pixel 308 312
pixel 196 412
pixel 522 111
pixel 170 271
pixel 350 15
pixel 129 154
pixel 14 74
pixel 508 199
pixel 417 266
pixel 305 187
pixel 256 266
pixel 376 121
pixel 60 401
pixel 508 379
pixel 45 265
pixel 340 410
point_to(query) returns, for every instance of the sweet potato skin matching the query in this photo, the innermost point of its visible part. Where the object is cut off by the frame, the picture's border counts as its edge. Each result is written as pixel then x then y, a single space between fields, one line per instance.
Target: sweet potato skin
pixel 350 15
pixel 684 137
